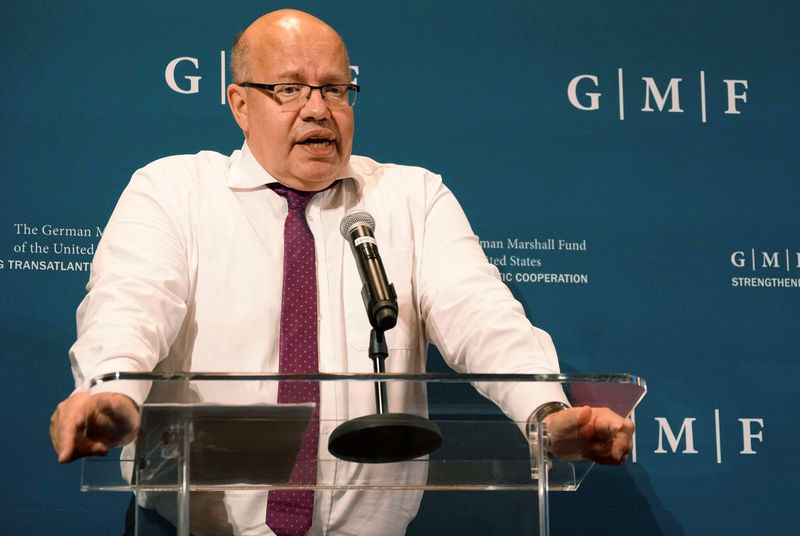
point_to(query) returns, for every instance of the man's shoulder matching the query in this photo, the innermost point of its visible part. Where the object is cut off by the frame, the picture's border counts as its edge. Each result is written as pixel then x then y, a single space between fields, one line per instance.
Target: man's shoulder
pixel 188 163
pixel 185 173
pixel 374 174
pixel 368 166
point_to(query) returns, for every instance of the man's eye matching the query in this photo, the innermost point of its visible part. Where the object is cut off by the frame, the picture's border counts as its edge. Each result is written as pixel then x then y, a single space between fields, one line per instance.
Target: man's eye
pixel 288 91
pixel 335 91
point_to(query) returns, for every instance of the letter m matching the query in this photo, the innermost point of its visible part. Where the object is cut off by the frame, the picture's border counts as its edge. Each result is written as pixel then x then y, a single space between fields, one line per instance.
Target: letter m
pixel 770 261
pixel 661 100
pixel 664 430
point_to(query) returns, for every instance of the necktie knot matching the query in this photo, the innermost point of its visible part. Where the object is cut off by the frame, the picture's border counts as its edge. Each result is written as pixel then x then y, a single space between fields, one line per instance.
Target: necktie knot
pixel 296 199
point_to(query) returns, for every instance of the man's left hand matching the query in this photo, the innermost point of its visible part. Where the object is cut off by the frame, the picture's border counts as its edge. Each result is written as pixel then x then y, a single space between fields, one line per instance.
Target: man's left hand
pixel 596 434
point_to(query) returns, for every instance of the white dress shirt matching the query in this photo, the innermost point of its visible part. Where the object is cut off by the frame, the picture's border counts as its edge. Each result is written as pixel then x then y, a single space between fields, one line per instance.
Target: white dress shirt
pixel 187 277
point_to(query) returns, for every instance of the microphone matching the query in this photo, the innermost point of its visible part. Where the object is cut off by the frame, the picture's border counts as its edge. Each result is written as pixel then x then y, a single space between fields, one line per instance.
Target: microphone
pixel 378 294
pixel 382 437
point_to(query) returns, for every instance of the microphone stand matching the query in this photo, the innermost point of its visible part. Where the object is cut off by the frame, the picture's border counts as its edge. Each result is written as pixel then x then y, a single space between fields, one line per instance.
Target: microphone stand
pixel 378 352
pixel 383 437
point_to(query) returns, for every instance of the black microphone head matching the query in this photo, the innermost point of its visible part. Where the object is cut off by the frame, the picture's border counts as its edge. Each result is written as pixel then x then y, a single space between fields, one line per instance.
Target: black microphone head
pixel 355 218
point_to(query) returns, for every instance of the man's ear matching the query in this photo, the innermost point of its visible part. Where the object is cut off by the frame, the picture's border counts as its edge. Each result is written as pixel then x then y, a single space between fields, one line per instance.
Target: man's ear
pixel 237 100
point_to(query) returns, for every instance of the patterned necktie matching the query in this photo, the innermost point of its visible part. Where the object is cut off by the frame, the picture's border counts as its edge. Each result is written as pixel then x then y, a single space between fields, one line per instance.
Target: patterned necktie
pixel 289 513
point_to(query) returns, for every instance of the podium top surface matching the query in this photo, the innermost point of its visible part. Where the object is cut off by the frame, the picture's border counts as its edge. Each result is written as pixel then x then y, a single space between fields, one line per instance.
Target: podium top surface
pixel 619 392
pixel 417 377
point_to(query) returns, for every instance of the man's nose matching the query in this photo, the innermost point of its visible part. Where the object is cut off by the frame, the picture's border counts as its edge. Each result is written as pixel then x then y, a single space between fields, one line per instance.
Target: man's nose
pixel 315 105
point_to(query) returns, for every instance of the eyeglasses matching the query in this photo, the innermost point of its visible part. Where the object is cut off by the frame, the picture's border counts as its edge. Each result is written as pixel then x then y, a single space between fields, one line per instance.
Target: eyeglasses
pixel 293 96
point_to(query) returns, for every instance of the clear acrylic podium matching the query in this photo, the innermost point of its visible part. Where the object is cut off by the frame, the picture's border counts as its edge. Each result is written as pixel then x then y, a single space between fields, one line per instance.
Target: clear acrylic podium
pixel 214 432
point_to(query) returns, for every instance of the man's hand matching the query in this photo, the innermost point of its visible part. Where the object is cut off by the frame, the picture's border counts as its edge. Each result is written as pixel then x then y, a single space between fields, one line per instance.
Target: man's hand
pixel 596 434
pixel 88 425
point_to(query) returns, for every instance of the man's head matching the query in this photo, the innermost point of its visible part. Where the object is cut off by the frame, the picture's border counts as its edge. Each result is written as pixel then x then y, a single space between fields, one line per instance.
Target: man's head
pixel 307 148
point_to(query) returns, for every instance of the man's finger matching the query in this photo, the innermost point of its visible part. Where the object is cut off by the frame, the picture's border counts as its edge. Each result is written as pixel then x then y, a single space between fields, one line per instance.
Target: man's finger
pixel 607 431
pixel 112 419
pixel 613 442
pixel 568 422
pixel 81 448
pixel 65 427
pixel 608 424
pixel 85 425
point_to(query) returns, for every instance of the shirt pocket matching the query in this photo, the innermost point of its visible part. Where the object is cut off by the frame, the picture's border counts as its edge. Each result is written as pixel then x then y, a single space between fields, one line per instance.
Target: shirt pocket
pixel 398 266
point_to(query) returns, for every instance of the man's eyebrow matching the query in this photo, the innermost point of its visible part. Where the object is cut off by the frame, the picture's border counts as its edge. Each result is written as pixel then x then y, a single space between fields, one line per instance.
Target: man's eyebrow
pixel 297 76
pixel 294 76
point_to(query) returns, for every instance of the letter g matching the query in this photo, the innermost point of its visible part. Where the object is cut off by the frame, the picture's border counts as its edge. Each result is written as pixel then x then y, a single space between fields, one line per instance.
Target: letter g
pixel 572 94
pixel 169 76
pixel 737 259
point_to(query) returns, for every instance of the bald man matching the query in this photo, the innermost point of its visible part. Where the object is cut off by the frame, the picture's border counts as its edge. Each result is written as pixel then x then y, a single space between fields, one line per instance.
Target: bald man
pixel 191 260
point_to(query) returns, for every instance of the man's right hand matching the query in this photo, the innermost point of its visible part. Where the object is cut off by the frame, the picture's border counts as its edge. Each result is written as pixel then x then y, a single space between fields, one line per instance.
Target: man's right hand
pixel 89 425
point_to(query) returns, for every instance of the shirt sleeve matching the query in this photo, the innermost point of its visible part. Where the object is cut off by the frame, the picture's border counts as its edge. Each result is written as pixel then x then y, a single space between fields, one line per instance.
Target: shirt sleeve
pixel 472 317
pixel 137 290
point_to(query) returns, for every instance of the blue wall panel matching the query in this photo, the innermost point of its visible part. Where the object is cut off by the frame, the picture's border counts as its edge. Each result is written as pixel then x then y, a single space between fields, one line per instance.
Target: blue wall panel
pixel 681 214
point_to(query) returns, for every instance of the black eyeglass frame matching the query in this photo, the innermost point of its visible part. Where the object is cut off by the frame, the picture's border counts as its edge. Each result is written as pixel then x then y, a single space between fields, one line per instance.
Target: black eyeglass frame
pixel 322 89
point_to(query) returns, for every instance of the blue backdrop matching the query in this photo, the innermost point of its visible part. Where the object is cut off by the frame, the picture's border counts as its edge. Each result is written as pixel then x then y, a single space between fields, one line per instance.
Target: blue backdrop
pixel 631 167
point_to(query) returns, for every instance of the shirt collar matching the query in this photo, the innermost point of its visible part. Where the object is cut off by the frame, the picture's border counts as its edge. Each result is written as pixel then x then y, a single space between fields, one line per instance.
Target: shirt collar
pixel 247 173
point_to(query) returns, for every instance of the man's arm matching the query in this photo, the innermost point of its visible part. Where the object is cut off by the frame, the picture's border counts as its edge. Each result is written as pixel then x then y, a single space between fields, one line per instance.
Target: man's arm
pixel 477 324
pixel 471 315
pixel 134 308
pixel 89 425
pixel 139 282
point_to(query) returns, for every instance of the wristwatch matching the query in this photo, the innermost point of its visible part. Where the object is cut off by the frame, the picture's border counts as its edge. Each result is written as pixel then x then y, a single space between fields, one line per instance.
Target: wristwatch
pixel 548 408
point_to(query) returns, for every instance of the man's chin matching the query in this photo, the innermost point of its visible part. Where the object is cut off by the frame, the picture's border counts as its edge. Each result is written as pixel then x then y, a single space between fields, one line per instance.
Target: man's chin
pixel 314 176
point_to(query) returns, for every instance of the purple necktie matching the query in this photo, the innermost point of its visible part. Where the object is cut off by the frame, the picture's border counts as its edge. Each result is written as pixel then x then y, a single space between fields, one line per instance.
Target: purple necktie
pixel 289 513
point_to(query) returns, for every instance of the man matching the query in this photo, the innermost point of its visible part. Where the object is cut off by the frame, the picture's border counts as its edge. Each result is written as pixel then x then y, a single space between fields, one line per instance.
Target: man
pixel 187 276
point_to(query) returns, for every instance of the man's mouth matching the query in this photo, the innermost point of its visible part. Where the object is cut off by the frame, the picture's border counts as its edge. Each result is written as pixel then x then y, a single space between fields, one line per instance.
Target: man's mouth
pixel 317 143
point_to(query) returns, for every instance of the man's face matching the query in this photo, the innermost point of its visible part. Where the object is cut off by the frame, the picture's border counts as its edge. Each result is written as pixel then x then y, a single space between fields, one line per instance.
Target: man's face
pixel 308 148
